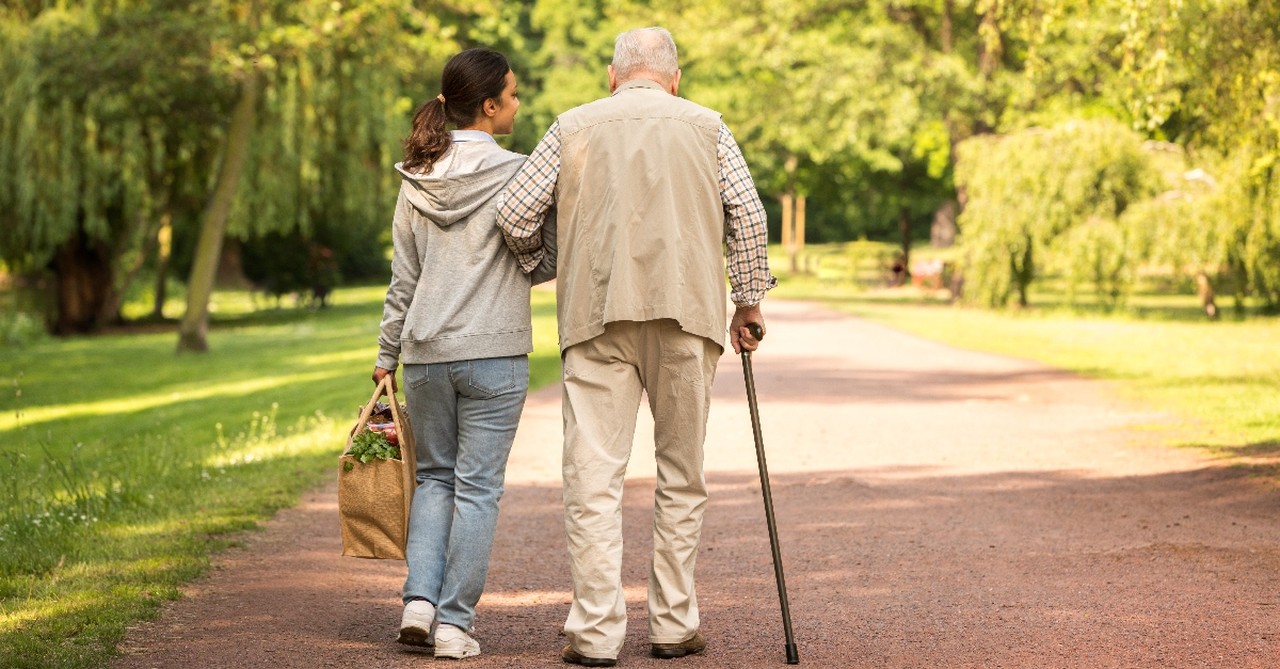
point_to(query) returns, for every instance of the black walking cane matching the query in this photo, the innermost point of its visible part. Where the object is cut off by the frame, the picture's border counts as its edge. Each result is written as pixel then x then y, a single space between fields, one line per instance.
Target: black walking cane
pixel 793 657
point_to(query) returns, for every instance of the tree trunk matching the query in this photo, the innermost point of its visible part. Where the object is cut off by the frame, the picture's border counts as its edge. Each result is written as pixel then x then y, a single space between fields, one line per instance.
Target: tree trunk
pixel 904 232
pixel 799 240
pixel 788 226
pixel 1204 288
pixel 115 297
pixel 163 253
pixel 990 45
pixel 1023 272
pixel 788 214
pixel 194 331
pixel 948 12
pixel 942 232
pixel 82 283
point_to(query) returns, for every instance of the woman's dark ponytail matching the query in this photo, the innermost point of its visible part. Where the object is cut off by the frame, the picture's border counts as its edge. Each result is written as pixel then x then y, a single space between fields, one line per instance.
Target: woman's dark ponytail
pixel 469 78
pixel 428 140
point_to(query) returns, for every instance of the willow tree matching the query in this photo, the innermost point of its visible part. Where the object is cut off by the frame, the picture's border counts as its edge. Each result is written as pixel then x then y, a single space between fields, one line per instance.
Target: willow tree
pixel 1029 190
pixel 1178 230
pixel 106 138
pixel 333 113
pixel 1251 221
pixel 1204 75
pixel 1213 72
pixel 326 92
pixel 96 126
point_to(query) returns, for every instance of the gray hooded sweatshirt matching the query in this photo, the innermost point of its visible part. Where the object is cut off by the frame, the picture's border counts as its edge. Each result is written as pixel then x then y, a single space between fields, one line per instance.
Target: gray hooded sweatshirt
pixel 456 291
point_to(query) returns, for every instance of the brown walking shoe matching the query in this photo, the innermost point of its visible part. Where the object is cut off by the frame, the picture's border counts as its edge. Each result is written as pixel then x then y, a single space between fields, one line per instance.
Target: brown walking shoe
pixel 691 646
pixel 574 657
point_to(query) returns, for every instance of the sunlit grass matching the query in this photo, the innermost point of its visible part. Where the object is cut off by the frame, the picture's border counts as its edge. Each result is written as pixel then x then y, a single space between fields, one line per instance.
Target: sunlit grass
pixel 1221 378
pixel 34 417
pixel 262 441
pixel 123 465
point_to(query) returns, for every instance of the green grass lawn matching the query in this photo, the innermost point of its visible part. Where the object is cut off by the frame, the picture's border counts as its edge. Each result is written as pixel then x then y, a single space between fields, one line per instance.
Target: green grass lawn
pixel 125 465
pixel 1222 378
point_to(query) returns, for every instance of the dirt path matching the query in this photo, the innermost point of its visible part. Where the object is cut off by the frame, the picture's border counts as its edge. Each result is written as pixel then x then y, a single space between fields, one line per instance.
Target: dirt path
pixel 938 508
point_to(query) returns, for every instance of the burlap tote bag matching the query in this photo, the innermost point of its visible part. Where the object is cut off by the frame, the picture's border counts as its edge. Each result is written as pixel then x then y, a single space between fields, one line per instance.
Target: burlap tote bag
pixel 374 497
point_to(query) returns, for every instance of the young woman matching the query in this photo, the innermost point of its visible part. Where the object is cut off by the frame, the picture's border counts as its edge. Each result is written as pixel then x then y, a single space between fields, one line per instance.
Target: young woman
pixel 457 317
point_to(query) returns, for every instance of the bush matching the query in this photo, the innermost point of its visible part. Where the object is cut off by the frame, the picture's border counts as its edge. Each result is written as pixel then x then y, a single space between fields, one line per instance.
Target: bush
pixel 1026 191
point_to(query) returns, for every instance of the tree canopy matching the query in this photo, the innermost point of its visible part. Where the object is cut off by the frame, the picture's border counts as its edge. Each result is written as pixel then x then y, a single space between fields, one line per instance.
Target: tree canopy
pixel 112 145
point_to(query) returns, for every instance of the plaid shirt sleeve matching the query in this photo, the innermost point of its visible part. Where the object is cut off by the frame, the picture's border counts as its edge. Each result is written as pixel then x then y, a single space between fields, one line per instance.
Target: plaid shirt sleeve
pixel 746 225
pixel 524 203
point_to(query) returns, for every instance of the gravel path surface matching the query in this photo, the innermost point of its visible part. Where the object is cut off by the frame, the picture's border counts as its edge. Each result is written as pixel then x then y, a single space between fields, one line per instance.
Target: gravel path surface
pixel 937 507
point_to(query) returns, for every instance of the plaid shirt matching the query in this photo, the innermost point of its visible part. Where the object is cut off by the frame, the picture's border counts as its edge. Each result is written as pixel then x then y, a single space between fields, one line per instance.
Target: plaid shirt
pixel 523 206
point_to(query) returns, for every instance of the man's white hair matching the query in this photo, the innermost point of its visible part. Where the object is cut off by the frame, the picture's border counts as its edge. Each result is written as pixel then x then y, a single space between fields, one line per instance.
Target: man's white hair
pixel 645 51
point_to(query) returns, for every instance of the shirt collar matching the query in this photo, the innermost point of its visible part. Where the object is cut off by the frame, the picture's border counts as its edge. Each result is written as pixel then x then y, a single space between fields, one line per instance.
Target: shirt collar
pixel 648 84
pixel 471 136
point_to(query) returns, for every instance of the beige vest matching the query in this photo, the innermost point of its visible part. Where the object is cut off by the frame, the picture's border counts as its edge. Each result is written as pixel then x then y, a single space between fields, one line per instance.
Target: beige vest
pixel 639 215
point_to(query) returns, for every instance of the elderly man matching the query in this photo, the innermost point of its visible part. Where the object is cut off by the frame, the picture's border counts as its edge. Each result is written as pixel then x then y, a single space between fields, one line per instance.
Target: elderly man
pixel 650 190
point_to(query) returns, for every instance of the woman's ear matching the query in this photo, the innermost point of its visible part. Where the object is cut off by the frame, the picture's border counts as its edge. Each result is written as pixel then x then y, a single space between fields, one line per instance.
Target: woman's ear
pixel 490 107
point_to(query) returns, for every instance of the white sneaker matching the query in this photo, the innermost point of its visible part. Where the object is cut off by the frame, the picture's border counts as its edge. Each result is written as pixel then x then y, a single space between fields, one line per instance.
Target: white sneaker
pixel 452 642
pixel 418 624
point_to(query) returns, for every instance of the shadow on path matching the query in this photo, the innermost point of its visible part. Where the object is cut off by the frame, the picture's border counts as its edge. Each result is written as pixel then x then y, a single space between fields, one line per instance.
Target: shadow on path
pixel 891 567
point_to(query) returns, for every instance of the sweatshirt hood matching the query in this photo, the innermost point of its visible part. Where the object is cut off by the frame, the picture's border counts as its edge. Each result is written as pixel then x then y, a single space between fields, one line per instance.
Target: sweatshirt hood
pixel 461 182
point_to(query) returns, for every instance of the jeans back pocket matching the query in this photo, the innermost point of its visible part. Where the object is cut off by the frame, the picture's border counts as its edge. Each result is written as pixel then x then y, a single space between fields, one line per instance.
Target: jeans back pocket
pixel 495 376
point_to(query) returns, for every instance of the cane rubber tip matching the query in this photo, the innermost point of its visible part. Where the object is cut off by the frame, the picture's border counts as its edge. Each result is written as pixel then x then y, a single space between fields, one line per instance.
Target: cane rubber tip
pixel 793 657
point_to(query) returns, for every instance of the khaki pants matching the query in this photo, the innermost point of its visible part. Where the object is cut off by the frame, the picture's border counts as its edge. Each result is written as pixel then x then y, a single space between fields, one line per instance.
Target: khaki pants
pixel 603 380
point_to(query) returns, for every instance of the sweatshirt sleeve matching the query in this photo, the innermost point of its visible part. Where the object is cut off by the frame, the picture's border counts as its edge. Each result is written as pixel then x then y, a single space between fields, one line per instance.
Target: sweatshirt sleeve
pixel 406 268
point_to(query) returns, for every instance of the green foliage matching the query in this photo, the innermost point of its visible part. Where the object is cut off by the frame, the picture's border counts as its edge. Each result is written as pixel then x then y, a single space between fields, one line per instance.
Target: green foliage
pixel 103 135
pixel 1028 190
pixel 854 97
pixel 570 66
pixel 282 264
pixel 336 105
pixel 1180 231
pixel 95 123
pixel 1098 252
pixel 100 133
pixel 855 94
pixel 369 445
pixel 1201 73
pixel 1221 228
pixel 1252 220
pixel 857 106
pixel 1061 61
pixel 1217 62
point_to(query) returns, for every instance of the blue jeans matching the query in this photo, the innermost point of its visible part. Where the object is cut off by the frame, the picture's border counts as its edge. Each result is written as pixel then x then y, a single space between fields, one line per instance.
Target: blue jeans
pixel 464 416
